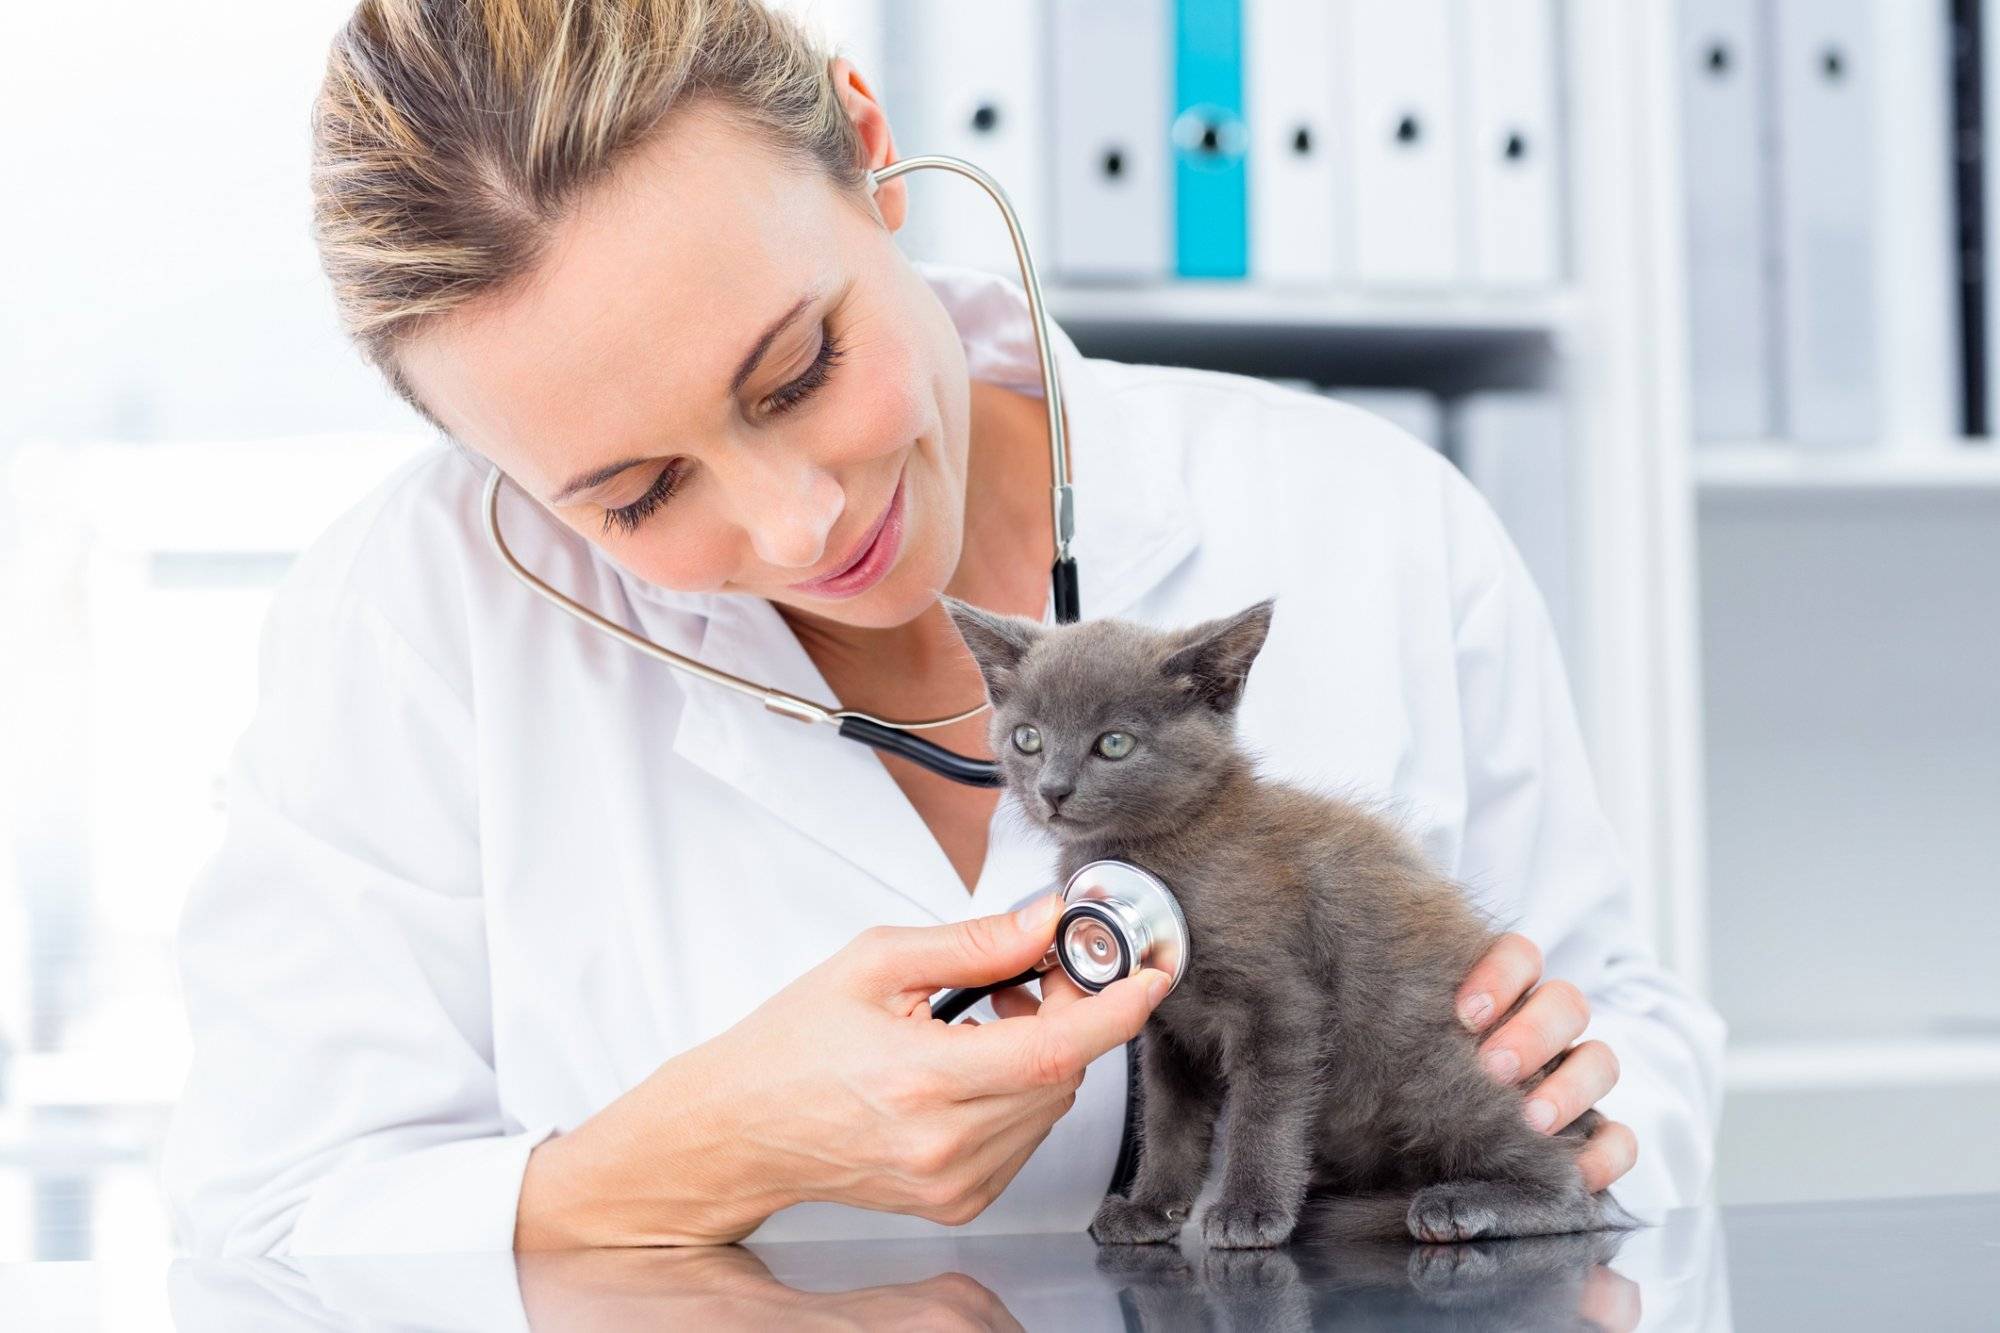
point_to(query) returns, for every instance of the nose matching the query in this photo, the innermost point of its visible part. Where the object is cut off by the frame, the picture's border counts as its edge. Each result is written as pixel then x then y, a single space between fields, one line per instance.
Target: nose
pixel 789 509
pixel 1054 791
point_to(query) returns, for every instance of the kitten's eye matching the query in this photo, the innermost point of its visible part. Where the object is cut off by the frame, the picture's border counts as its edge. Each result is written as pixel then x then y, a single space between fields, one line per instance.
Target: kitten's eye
pixel 1115 744
pixel 1027 740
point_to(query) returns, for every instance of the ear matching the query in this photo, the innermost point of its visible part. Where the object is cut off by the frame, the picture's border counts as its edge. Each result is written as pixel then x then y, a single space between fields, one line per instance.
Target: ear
pixel 1214 660
pixel 998 643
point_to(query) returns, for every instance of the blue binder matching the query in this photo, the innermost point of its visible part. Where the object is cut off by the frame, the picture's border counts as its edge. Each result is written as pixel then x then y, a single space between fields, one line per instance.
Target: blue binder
pixel 1211 225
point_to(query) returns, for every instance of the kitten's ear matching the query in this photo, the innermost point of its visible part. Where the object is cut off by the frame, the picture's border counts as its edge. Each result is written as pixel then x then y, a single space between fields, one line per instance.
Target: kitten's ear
pixel 1214 660
pixel 998 643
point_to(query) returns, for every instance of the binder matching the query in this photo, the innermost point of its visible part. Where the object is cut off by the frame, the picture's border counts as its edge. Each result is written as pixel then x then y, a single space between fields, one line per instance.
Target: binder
pixel 1724 129
pixel 1297 164
pixel 970 83
pixel 1507 53
pixel 1397 77
pixel 1827 309
pixel 1210 141
pixel 1514 446
pixel 1109 65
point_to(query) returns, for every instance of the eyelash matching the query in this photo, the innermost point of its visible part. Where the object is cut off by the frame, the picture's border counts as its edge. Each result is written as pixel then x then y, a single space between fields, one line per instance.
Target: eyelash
pixel 788 397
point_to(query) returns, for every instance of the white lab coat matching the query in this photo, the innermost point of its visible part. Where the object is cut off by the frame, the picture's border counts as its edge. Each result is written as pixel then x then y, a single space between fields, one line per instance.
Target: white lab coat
pixel 484 870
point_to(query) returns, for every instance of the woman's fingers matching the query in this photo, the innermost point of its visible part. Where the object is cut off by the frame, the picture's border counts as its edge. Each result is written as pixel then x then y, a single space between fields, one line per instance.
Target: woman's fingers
pixel 1608 1154
pixel 1016 1002
pixel 1059 1042
pixel 1503 976
pixel 1584 1076
pixel 1553 1017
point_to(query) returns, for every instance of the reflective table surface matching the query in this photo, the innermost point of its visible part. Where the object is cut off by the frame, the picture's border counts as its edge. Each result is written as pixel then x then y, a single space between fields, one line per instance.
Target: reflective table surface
pixel 1930 1264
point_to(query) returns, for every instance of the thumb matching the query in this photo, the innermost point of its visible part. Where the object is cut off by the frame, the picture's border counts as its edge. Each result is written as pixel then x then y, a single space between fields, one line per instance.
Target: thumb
pixel 916 960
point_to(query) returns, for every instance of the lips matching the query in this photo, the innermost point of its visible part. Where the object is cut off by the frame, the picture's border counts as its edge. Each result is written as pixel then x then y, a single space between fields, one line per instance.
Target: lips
pixel 870 561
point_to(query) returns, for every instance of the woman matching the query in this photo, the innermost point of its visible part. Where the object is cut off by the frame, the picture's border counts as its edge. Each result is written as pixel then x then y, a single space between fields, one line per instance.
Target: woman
pixel 517 939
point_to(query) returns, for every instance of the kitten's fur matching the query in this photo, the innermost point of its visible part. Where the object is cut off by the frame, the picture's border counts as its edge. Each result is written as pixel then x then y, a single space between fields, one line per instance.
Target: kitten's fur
pixel 1318 1006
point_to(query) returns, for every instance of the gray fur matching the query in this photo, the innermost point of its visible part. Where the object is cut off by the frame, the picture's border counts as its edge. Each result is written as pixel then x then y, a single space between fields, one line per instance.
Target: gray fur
pixel 1314 1033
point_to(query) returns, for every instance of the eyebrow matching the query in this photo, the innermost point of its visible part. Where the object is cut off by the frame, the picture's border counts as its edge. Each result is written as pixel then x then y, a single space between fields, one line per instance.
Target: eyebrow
pixel 748 367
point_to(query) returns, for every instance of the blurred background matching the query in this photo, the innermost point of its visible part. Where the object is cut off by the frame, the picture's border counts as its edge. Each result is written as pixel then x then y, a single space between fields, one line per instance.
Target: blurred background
pixel 1695 291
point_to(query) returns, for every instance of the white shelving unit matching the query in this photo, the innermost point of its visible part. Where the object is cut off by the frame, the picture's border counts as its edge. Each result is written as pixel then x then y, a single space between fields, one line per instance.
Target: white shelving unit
pixel 1760 875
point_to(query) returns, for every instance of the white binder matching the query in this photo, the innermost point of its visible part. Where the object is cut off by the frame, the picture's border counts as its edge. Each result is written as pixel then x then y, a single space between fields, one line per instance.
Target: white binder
pixel 1398 82
pixel 1514 446
pixel 1507 53
pixel 1725 180
pixel 970 83
pixel 1110 64
pixel 1827 312
pixel 1297 160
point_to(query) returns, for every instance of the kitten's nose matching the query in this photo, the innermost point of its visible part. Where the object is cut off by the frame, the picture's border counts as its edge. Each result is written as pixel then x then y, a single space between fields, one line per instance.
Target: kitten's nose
pixel 1054 791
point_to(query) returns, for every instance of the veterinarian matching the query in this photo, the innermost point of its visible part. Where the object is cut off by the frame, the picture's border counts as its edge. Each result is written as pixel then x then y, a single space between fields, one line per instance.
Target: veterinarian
pixel 518 939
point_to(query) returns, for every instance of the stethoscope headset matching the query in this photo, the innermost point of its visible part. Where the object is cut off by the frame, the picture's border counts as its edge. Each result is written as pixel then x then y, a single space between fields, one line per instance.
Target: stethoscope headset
pixel 1116 917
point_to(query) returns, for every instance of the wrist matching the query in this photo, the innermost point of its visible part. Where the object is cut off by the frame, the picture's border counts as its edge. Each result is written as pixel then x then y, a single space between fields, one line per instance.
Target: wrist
pixel 661 1165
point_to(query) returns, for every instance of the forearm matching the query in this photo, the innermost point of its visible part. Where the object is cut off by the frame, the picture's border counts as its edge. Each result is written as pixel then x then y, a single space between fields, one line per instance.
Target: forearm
pixel 662 1165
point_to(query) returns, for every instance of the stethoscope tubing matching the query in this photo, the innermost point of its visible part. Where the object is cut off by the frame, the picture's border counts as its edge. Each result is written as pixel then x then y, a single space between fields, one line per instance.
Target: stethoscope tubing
pixel 889 736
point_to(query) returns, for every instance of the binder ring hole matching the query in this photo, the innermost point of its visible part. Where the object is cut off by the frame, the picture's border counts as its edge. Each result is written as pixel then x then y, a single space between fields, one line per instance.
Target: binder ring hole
pixel 1833 64
pixel 1114 163
pixel 1409 129
pixel 1302 141
pixel 1516 147
pixel 986 118
pixel 1718 59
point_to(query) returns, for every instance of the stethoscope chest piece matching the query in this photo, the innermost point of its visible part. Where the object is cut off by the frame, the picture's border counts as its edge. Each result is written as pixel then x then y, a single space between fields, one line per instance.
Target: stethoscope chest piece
pixel 1117 919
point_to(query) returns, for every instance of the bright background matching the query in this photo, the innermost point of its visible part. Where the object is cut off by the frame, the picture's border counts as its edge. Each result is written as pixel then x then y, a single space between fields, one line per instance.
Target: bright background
pixel 1787 660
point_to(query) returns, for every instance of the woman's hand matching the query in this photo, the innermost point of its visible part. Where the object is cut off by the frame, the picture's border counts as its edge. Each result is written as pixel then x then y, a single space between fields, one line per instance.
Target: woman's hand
pixel 1553 1015
pixel 840 1088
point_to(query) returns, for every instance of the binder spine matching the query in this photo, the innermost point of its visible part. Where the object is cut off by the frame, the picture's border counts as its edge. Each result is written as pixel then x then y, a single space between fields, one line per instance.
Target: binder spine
pixel 1968 77
pixel 1210 140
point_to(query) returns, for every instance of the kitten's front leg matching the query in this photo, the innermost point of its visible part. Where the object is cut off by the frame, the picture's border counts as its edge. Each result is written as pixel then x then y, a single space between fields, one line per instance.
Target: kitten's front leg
pixel 1177 1122
pixel 1267 1138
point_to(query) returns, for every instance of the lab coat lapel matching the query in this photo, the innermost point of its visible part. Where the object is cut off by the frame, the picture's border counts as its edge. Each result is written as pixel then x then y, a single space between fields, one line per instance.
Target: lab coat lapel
pixel 832 790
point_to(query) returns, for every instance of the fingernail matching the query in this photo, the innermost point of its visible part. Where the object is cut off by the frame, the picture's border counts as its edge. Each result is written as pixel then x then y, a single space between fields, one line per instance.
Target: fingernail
pixel 1039 912
pixel 1156 985
pixel 1541 1115
pixel 1475 1011
pixel 1503 1064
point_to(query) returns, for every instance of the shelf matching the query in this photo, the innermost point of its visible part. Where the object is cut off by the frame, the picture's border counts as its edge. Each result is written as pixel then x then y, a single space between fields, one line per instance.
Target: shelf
pixel 1828 1064
pixel 1447 341
pixel 1768 467
pixel 1193 304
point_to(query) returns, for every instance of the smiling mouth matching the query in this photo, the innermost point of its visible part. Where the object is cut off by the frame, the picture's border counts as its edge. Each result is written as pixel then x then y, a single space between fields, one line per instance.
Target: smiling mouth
pixel 871 559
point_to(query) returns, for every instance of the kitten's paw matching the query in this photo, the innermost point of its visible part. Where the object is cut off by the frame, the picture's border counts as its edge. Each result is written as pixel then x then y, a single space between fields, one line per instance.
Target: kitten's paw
pixel 1247 1226
pixel 1122 1221
pixel 1441 1214
pixel 1439 1270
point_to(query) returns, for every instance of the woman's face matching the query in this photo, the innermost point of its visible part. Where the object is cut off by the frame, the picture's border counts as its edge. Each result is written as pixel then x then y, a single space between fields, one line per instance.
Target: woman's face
pixel 726 375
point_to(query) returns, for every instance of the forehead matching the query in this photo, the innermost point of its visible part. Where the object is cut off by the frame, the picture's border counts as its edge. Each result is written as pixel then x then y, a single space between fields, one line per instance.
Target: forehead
pixel 1086 667
pixel 636 317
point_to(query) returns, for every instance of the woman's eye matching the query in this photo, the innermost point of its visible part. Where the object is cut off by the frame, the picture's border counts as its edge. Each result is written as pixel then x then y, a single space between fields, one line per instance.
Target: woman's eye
pixel 815 375
pixel 1027 740
pixel 630 516
pixel 1115 744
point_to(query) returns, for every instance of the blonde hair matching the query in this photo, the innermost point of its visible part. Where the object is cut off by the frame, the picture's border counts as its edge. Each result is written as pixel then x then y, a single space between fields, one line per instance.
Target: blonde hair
pixel 451 136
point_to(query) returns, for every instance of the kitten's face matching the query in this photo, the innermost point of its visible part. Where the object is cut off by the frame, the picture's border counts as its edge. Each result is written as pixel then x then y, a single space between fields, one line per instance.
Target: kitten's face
pixel 1106 727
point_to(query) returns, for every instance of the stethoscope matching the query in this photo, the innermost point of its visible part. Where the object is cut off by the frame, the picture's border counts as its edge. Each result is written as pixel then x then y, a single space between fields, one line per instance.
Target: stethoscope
pixel 1116 917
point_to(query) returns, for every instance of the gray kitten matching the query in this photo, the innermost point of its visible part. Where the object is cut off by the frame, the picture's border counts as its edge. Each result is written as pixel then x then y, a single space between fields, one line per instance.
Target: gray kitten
pixel 1318 1006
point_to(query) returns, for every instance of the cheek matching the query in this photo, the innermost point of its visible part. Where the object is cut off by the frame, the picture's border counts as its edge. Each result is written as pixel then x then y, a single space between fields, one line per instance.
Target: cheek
pixel 683 561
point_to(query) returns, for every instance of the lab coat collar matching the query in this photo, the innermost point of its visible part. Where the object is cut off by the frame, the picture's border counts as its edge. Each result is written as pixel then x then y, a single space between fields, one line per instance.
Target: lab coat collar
pixel 1134 525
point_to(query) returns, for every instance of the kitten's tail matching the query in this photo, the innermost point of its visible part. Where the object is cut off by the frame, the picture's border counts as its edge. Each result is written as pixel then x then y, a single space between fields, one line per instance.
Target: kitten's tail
pixel 1353 1218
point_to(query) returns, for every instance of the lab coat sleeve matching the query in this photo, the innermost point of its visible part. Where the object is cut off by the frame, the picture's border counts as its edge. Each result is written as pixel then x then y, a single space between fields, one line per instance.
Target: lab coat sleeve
pixel 332 959
pixel 1539 852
